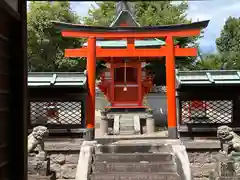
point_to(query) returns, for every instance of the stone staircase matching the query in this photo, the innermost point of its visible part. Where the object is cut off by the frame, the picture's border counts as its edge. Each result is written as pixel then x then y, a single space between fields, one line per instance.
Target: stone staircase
pixel 127 124
pixel 135 162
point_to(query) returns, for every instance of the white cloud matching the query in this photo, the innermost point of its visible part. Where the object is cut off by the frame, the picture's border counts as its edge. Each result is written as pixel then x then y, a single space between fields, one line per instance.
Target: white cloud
pixel 82 7
pixel 217 11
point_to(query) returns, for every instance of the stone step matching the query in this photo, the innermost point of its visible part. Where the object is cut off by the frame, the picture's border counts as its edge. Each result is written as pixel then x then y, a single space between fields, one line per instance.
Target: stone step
pixel 128 115
pixel 126 121
pixel 136 157
pixel 126 124
pixel 134 167
pixel 126 118
pixel 127 128
pixel 135 176
pixel 133 148
pixel 129 132
pixel 228 178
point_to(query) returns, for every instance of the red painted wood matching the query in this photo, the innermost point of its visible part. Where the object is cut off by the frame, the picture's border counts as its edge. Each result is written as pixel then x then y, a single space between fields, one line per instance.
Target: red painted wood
pixel 134 95
pixel 112 83
pixel 126 107
pixel 123 24
pixel 105 53
pixel 116 34
pixel 91 75
pixel 125 97
pixel 170 81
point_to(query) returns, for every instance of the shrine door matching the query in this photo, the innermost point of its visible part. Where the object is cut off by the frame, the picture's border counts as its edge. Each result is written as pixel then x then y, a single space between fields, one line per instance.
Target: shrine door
pixel 126 84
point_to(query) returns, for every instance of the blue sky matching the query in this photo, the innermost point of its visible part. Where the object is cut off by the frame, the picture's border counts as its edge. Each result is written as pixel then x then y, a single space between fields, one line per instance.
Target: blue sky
pixel 217 11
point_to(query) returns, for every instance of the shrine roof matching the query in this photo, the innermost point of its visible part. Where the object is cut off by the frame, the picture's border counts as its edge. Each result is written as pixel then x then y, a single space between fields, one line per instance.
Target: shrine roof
pixel 125 15
pixel 56 79
pixel 174 27
pixel 208 77
pixel 125 11
pixel 123 43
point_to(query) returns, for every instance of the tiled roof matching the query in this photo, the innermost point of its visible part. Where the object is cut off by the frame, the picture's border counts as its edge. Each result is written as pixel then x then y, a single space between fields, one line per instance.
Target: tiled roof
pixel 207 77
pixel 43 79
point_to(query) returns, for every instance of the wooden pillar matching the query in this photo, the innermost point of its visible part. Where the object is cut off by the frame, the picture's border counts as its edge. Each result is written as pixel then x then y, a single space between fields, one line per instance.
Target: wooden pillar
pixel 139 81
pixel 112 86
pixel 91 76
pixel 171 89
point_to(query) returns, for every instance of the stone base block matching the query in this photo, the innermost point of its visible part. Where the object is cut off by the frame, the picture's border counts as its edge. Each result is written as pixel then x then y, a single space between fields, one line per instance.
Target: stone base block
pixel 104 126
pixel 52 176
pixel 38 167
pixel 150 124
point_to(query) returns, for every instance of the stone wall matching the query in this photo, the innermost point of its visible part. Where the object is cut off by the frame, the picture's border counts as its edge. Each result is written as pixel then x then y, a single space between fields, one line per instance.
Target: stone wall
pixel 64 154
pixel 202 163
pixel 203 156
pixel 64 164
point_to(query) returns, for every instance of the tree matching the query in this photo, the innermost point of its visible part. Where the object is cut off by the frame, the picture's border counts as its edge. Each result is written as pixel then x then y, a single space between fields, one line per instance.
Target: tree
pixel 45 43
pixel 149 13
pixel 209 62
pixel 103 15
pixel 228 44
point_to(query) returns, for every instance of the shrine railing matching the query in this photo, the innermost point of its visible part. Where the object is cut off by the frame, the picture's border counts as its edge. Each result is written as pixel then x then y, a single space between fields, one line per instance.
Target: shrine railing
pixel 206 112
pixel 57 100
pixel 209 98
pixel 57 114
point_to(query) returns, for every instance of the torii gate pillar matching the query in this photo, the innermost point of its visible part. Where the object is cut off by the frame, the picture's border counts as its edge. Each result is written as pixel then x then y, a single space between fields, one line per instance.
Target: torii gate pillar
pixel 171 89
pixel 91 76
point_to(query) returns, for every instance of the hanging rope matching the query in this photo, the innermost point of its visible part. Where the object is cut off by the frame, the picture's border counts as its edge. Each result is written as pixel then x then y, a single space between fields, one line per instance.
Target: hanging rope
pixel 125 77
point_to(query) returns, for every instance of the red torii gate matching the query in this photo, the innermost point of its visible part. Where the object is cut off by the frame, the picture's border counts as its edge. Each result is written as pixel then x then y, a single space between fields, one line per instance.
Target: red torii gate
pixel 131 33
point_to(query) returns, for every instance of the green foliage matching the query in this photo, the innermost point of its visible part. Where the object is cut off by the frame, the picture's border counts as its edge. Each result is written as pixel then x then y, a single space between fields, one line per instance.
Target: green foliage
pixel 231 60
pixel 229 40
pixel 103 15
pixel 45 44
pixel 153 13
pixel 209 62
pixel 228 44
pixel 149 13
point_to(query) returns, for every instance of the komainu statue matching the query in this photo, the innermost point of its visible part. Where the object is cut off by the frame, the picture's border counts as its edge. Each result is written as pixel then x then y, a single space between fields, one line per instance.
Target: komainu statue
pixel 230 141
pixel 38 164
pixel 229 163
pixel 35 139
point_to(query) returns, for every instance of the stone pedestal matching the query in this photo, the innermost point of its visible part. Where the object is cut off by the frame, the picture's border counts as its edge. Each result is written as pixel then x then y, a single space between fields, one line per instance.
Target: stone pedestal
pixel 150 123
pixel 38 166
pixel 228 167
pixel 104 123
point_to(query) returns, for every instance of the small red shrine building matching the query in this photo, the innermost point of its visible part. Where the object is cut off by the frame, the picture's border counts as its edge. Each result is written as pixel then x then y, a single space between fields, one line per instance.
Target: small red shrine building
pixel 125 46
